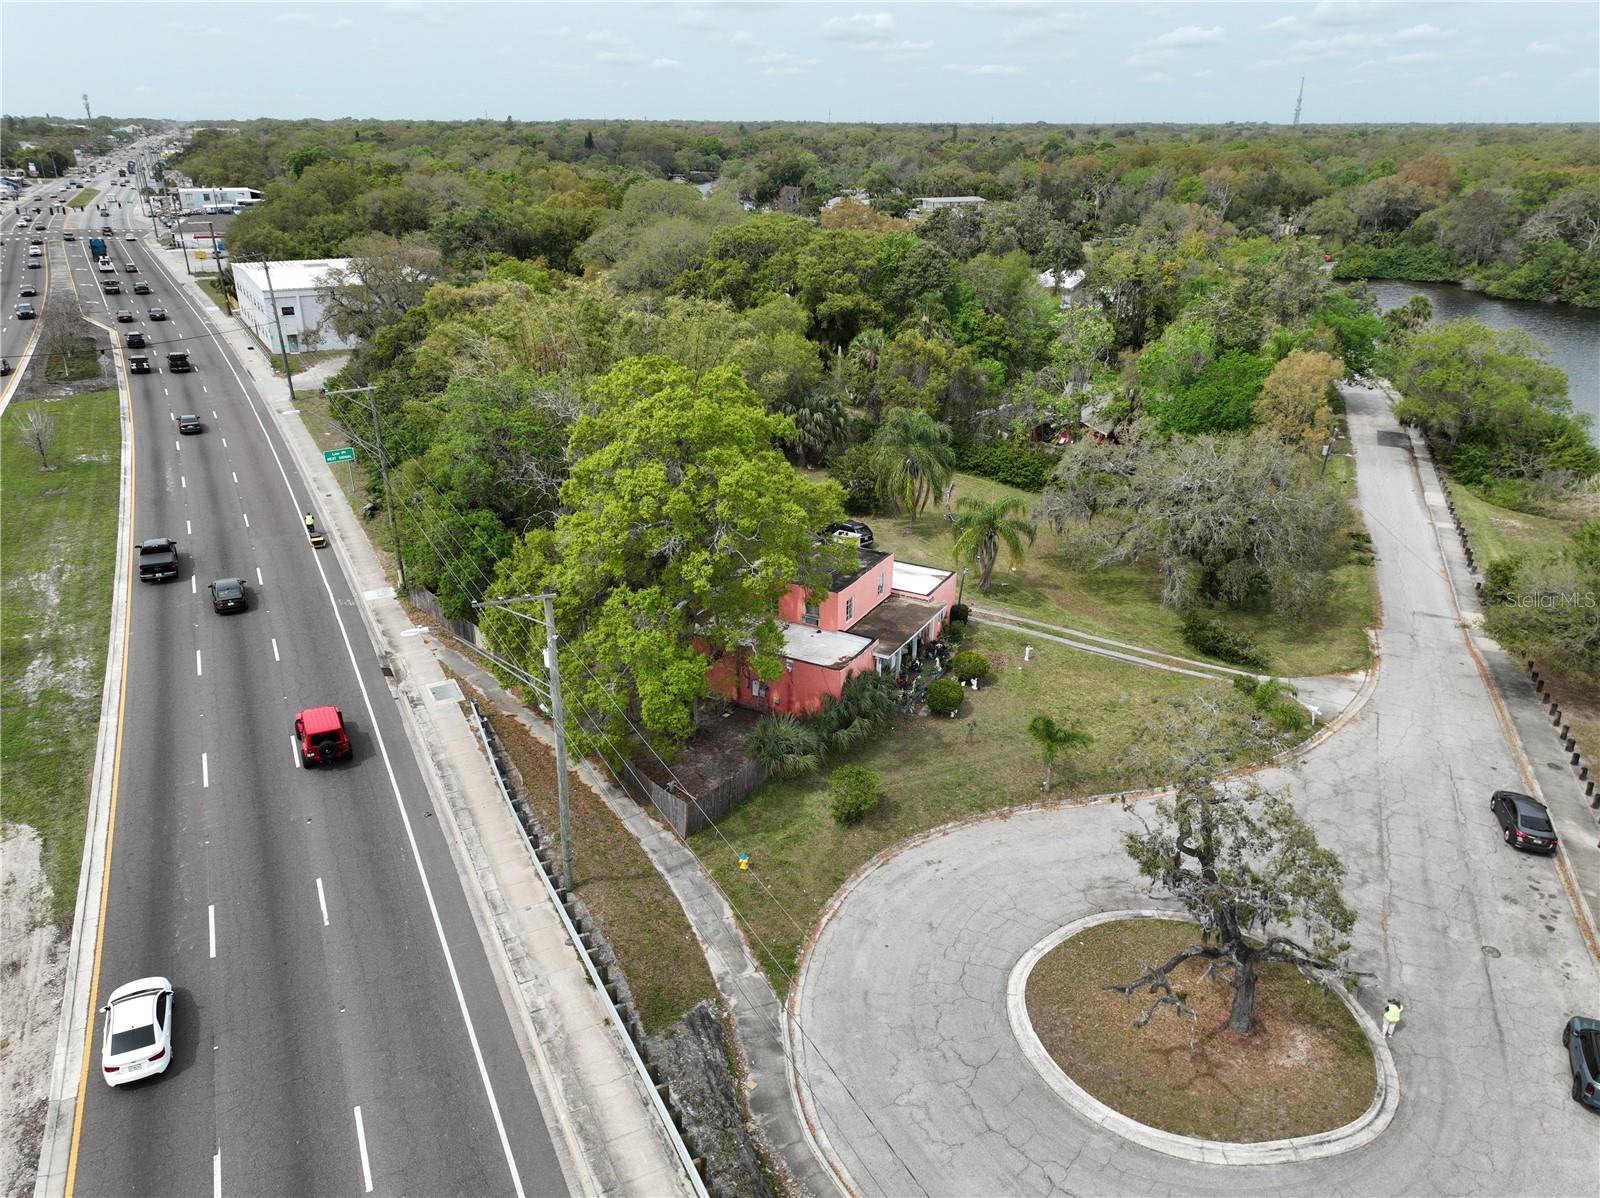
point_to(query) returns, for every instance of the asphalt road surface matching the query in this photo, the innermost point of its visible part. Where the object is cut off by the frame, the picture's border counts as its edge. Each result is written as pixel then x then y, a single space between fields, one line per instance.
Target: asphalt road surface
pixel 915 1080
pixel 338 1030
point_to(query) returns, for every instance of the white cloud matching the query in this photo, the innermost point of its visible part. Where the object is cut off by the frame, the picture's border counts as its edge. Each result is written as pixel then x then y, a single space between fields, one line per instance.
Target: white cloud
pixel 605 37
pixel 1416 56
pixel 696 18
pixel 1420 33
pixel 1204 74
pixel 1496 80
pixel 665 64
pixel 312 19
pixel 1546 48
pixel 986 68
pixel 863 27
pixel 900 51
pixel 1290 22
pixel 1187 36
pixel 1312 49
pixel 1156 77
pixel 342 24
pixel 780 58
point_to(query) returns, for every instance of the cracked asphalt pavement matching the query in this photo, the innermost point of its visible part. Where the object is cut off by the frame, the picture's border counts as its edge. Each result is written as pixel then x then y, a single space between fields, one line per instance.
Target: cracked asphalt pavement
pixel 907 1067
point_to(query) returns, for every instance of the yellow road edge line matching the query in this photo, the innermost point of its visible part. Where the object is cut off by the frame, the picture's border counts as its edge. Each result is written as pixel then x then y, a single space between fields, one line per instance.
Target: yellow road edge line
pixel 111 815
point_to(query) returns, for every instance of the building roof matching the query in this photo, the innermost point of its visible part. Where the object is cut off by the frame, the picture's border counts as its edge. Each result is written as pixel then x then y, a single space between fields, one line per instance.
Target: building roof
pixel 304 275
pixel 895 621
pixel 919 580
pixel 867 559
pixel 830 650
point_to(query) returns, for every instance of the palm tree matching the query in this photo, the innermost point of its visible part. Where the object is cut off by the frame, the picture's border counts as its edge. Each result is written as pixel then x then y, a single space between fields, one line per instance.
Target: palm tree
pixel 980 527
pixel 1053 738
pixel 819 423
pixel 912 458
pixel 866 354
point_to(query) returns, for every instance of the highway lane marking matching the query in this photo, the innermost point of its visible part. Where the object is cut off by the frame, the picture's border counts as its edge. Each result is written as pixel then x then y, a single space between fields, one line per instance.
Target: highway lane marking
pixel 235 478
pixel 197 669
pixel 216 1174
pixel 294 741
pixel 322 901
pixel 394 788
pixel 211 923
pixel 205 772
pixel 183 482
pixel 224 440
pixel 275 656
pixel 188 531
pixel 194 582
pixel 361 1141
pixel 246 519
pixel 258 576
pixel 164 391
pixel 177 446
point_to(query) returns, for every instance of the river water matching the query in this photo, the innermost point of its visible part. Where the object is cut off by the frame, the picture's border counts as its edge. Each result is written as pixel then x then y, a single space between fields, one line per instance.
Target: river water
pixel 1570 334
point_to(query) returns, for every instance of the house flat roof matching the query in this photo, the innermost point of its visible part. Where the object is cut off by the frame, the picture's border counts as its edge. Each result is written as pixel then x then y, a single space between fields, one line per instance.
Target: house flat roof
pixel 867 559
pixel 831 650
pixel 919 580
pixel 895 621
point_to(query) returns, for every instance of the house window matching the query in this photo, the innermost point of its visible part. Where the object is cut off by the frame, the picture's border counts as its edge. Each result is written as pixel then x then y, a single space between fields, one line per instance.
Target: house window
pixel 788 664
pixel 757 688
pixel 813 615
pixel 289 311
pixel 849 610
pixel 880 584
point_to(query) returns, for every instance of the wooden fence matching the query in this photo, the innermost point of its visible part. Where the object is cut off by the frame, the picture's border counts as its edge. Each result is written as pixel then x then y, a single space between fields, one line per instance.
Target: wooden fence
pixel 686 813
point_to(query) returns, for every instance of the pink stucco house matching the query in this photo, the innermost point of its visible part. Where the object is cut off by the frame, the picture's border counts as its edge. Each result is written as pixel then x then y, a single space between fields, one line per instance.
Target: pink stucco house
pixel 875 618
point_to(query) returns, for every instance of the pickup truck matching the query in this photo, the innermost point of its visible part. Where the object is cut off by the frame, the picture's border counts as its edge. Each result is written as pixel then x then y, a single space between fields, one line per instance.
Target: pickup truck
pixel 158 559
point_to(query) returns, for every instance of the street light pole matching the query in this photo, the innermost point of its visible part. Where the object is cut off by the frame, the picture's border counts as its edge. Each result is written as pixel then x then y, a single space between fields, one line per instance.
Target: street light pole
pixel 283 345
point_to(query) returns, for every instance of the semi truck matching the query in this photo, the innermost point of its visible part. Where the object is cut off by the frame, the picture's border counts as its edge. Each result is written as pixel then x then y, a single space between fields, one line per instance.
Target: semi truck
pixel 97 247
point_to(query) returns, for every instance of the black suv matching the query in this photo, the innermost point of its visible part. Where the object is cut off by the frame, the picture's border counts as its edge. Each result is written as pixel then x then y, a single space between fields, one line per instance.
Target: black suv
pixel 134 341
pixel 1524 821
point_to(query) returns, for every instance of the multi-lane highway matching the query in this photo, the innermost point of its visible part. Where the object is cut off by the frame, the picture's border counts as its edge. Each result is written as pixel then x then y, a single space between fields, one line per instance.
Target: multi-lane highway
pixel 338 1028
pixel 15 275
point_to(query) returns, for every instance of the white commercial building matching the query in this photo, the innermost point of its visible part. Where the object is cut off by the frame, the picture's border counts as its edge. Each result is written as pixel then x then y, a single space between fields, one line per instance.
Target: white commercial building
pixel 216 199
pixel 296 294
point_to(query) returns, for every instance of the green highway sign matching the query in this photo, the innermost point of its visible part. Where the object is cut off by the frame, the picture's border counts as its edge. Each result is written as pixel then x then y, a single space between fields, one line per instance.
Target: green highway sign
pixel 339 455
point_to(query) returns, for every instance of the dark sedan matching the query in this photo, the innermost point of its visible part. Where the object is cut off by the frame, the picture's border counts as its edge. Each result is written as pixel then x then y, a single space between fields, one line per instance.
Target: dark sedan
pixel 158 313
pixel 1582 1038
pixel 1524 821
pixel 227 594
pixel 134 341
pixel 189 423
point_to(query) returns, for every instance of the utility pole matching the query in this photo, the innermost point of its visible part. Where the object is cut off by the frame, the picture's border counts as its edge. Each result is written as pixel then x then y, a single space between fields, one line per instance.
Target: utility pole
pixel 87 114
pixel 184 246
pixel 1298 100
pixel 283 346
pixel 552 664
pixel 213 227
pixel 383 469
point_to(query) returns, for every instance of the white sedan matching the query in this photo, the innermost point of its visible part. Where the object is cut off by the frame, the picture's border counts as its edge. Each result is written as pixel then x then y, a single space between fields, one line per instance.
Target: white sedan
pixel 138 1032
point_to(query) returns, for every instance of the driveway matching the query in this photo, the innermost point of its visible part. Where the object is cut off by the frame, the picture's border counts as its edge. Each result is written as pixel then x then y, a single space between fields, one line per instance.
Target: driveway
pixel 914 1083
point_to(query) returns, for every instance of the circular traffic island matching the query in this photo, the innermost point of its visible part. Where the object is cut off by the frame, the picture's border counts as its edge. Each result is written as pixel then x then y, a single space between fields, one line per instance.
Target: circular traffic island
pixel 1306 1069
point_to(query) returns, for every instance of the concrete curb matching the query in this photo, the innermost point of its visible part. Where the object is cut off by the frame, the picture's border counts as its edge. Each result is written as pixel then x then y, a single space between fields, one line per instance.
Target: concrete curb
pixel 1356 1134
pixel 66 1071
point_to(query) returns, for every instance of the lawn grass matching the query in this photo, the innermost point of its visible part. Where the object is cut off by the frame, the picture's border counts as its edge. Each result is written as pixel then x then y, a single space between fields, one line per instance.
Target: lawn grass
pixel 57 558
pixel 1124 601
pixel 1500 532
pixel 636 910
pixel 1307 1067
pixel 81 361
pixel 213 287
pixel 84 198
pixel 931 774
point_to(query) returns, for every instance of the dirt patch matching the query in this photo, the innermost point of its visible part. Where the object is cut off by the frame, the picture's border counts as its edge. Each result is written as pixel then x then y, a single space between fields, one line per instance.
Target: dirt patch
pixel 33 954
pixel 1307 1068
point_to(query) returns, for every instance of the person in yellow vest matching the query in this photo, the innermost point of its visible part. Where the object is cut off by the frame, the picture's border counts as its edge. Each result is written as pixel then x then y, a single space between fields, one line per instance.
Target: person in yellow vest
pixel 1391 1017
pixel 311 524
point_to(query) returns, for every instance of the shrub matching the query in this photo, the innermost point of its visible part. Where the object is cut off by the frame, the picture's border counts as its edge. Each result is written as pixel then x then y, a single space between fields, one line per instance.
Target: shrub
pixel 1015 463
pixel 1213 639
pixel 955 633
pixel 944 696
pixel 970 664
pixel 852 470
pixel 785 746
pixel 859 714
pixel 1275 701
pixel 959 613
pixel 853 792
pixel 1500 578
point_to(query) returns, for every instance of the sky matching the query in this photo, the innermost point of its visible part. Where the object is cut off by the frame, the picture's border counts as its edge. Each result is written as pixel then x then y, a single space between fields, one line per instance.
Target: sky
pixel 991 60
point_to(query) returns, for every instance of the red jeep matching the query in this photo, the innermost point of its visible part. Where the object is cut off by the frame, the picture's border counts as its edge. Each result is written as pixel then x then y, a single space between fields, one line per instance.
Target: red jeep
pixel 320 731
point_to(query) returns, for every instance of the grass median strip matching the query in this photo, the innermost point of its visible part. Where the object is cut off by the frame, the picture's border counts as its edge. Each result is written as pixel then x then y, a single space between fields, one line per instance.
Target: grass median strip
pixel 84 198
pixel 57 557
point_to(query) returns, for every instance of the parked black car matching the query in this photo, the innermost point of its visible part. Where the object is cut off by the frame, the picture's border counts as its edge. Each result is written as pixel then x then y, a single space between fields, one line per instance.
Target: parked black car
pixel 1524 821
pixel 1582 1038
pixel 851 530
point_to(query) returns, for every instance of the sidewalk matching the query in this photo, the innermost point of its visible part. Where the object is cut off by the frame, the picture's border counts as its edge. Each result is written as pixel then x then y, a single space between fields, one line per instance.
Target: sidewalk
pixel 744 987
pixel 600 1116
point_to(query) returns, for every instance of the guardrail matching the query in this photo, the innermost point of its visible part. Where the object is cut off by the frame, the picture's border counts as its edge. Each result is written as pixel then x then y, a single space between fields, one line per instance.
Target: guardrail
pixel 597 977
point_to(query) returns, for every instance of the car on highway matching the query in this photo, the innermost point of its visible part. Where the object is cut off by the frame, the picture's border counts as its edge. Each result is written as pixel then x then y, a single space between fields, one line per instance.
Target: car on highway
pixel 124 316
pixel 1524 821
pixel 134 340
pixel 130 237
pixel 137 1042
pixel 36 241
pixel 28 289
pixel 158 313
pixel 112 287
pixel 105 266
pixel 178 362
pixel 33 263
pixel 140 287
pixel 130 268
pixel 139 363
pixel 321 735
pixel 69 237
pixel 1581 1037
pixel 189 423
pixel 5 367
pixel 25 312
pixel 227 595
